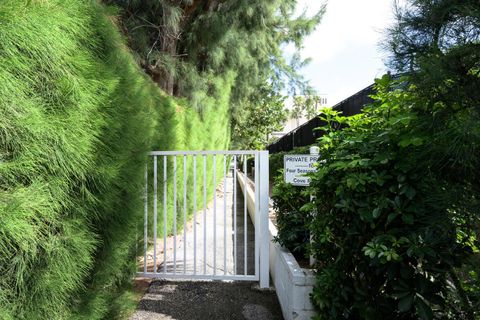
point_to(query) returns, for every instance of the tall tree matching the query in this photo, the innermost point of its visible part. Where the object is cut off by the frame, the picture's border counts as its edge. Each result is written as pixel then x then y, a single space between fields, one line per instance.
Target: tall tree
pixel 437 43
pixel 263 114
pixel 305 106
pixel 214 35
pixel 186 45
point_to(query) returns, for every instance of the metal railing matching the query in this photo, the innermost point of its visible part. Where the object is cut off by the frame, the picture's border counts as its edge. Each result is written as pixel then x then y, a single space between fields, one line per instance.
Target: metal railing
pixel 220 241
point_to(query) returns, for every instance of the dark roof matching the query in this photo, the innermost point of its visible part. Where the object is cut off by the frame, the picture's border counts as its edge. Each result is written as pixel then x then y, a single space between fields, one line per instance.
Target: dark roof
pixel 306 134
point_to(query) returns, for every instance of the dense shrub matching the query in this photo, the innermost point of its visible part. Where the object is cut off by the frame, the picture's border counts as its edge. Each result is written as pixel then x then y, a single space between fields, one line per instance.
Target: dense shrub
pixel 288 200
pixel 77 119
pixel 396 234
pixel 398 224
pixel 291 220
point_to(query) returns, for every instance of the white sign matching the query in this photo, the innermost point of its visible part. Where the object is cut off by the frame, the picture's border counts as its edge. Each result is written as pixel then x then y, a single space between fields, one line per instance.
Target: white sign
pixel 296 166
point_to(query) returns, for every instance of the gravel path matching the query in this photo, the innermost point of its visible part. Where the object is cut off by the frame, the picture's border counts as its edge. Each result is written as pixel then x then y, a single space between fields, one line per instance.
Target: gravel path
pixel 207 301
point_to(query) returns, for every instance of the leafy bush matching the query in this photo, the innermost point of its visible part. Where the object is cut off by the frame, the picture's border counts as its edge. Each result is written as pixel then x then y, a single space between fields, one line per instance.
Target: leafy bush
pixel 288 201
pixel 291 221
pixel 396 234
pixel 78 117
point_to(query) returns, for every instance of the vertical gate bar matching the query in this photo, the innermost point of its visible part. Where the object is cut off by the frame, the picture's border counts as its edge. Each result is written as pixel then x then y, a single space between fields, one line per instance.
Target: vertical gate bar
pixel 165 214
pixel 264 233
pixel 261 228
pixel 245 227
pixel 155 191
pixel 174 214
pixel 145 221
pixel 214 214
pixel 184 213
pixel 257 217
pixel 194 214
pixel 204 214
pixel 235 214
pixel 225 214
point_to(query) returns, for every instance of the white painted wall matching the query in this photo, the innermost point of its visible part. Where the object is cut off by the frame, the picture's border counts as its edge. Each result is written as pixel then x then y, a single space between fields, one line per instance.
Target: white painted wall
pixel 293 284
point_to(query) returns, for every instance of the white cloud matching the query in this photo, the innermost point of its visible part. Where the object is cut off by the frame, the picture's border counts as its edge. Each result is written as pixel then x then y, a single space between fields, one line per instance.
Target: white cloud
pixel 345 22
pixel 344 48
pixel 345 51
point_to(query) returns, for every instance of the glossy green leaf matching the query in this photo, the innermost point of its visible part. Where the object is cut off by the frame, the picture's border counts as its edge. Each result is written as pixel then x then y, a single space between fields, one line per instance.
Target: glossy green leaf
pixel 405 303
pixel 423 310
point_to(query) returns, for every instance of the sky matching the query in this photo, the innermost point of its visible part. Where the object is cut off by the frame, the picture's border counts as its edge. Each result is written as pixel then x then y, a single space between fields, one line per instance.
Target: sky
pixel 345 47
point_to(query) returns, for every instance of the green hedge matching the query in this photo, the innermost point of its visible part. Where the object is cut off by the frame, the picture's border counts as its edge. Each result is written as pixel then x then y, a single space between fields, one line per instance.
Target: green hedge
pixel 396 229
pixel 78 117
pixel 396 234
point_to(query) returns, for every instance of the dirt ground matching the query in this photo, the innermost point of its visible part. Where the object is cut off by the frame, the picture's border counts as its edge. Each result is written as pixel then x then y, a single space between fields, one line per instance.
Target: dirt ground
pixel 182 300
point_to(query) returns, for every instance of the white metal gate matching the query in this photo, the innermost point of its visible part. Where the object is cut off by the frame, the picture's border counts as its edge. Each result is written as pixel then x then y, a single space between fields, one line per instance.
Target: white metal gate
pixel 218 239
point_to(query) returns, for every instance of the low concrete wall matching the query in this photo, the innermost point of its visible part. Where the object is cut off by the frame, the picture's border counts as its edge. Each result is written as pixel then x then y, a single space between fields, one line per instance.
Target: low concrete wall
pixel 250 195
pixel 293 284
